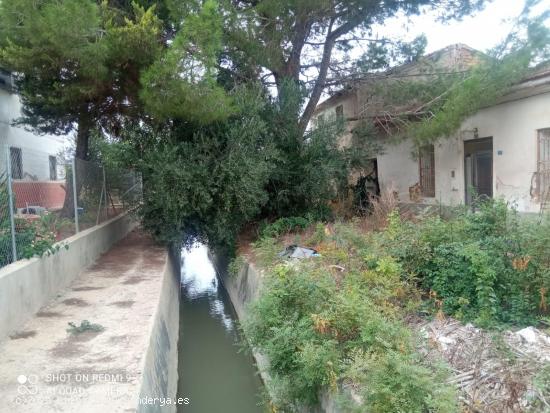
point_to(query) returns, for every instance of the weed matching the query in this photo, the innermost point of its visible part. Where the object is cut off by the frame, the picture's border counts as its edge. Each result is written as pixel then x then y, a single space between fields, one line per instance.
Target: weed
pixel 317 326
pixel 486 266
pixel 284 226
pixel 321 327
pixel 84 326
pixel 235 266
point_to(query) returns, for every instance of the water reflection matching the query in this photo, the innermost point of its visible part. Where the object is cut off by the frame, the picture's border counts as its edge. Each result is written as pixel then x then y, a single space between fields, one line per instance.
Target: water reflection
pixel 199 281
pixel 214 374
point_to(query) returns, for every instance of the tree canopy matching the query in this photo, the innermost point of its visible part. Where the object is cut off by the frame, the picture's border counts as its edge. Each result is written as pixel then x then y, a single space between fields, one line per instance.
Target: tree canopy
pixel 77 62
pixel 434 104
pixel 182 83
pixel 527 47
pixel 211 99
pixel 290 39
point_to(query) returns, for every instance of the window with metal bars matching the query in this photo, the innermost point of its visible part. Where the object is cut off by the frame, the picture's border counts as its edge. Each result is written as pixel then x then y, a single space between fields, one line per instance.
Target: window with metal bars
pixel 426 163
pixel 543 161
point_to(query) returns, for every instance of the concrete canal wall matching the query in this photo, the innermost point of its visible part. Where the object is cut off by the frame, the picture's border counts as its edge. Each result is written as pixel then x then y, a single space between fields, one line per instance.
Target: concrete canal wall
pixel 27 285
pixel 160 367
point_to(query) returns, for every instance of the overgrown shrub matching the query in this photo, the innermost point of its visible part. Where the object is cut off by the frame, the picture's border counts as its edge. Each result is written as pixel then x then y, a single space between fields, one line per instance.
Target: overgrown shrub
pixel 285 225
pixel 31 238
pixel 37 238
pixel 488 266
pixel 235 266
pixel 339 317
pixel 329 321
pixel 397 382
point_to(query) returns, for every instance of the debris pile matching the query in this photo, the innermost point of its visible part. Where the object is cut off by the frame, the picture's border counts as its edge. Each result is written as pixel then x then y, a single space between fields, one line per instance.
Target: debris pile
pixel 493 371
pixel 530 342
pixel 297 252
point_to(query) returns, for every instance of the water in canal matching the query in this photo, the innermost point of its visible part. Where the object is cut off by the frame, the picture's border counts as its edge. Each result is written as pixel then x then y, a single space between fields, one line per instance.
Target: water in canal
pixel 214 373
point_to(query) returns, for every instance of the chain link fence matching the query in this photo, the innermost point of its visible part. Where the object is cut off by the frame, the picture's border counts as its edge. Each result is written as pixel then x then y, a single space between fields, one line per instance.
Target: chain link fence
pixel 44 199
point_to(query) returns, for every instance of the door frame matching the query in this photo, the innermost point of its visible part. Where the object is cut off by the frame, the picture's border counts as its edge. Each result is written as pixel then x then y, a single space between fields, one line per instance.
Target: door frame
pixel 473 172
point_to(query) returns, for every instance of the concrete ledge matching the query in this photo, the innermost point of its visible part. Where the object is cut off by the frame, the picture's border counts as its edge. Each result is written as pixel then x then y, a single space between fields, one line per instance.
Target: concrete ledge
pixel 160 367
pixel 243 289
pixel 27 285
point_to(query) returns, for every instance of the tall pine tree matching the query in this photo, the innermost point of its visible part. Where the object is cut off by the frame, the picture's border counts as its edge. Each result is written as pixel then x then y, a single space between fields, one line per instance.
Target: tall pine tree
pixel 77 63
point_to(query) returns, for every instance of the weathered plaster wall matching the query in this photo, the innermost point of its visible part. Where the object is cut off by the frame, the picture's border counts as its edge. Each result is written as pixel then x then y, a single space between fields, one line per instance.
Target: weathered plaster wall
pixel 449 171
pixel 160 368
pixel 243 289
pixel 349 104
pixel 397 170
pixel 27 285
pixel 513 127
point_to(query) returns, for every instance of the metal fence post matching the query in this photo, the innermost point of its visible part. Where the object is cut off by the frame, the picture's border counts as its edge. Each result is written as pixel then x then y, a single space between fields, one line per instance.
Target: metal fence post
pixel 75 200
pixel 105 193
pixel 101 197
pixel 10 200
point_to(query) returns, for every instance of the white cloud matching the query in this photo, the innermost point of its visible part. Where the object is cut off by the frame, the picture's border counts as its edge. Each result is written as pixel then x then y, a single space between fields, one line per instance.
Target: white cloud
pixel 481 31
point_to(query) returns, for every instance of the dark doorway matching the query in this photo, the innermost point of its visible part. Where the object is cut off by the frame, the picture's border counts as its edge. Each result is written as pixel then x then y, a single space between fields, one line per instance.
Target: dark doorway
pixel 367 187
pixel 478 168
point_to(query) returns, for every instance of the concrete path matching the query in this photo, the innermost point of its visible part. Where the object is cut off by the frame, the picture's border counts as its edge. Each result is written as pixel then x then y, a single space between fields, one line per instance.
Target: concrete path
pixel 44 368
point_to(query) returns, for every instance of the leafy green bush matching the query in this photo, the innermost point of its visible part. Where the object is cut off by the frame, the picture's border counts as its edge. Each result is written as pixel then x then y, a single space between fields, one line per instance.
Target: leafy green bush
pixel 397 382
pixel 320 326
pixel 487 266
pixel 235 266
pixel 339 318
pixel 36 238
pixel 32 239
pixel 285 225
pixel 541 383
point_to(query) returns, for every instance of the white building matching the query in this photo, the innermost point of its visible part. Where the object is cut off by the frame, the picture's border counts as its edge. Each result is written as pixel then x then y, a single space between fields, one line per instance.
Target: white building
pixel 501 151
pixel 34 157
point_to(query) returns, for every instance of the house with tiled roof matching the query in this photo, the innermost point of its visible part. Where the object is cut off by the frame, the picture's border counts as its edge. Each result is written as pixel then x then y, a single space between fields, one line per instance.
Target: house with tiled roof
pixel 501 151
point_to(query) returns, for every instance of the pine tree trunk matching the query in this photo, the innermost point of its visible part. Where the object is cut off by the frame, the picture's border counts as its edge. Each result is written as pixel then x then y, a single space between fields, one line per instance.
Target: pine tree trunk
pixel 81 152
pixel 83 137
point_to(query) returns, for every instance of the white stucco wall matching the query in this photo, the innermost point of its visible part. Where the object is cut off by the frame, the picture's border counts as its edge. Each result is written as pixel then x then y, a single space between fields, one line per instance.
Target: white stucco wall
pixel 513 127
pixel 349 103
pixel 397 170
pixel 35 148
